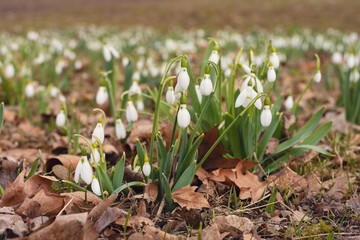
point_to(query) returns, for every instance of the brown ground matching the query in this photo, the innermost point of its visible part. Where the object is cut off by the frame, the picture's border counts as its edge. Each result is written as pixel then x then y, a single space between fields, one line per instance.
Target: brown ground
pixel 241 15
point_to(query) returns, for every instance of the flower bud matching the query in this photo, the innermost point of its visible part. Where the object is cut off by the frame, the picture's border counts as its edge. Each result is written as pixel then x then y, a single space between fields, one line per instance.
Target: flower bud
pixel 29 90
pixel 214 57
pixel 289 102
pixel 95 186
pixel 266 116
pixel 271 74
pixel 170 94
pixel 101 95
pixel 99 132
pixel 183 116
pixel 131 113
pixel 206 85
pixel 317 76
pixel 274 58
pixel 183 79
pixel 120 129
pixel 60 119
pixel 146 169
pixel 96 155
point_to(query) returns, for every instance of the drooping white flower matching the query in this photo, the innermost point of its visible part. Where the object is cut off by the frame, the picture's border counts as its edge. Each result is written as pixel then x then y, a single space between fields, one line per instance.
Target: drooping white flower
pixel 274 58
pixel 198 93
pixel 98 132
pixel 289 102
pixel 245 68
pixel 246 96
pixel 183 116
pixel 317 77
pixel 60 119
pixel 178 92
pixel 120 129
pixel 146 169
pixel 101 95
pixel 78 65
pixel 271 74
pixel 214 57
pixel 170 94
pixel 96 155
pixel 350 61
pixel 125 61
pixel 336 58
pixel 354 75
pixel 83 169
pixel 110 51
pixel 255 82
pixel 206 86
pixel 140 105
pixel 54 91
pixel 183 78
pixel 29 90
pixel 9 70
pixel 131 113
pixel 266 116
pixel 95 186
pixel 135 88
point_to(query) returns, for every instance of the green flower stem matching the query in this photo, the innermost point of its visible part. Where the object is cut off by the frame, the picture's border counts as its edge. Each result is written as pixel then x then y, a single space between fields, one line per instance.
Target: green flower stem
pixel 157 104
pixel 103 116
pixel 295 109
pixel 232 82
pixel 111 96
pixel 266 61
pixel 228 129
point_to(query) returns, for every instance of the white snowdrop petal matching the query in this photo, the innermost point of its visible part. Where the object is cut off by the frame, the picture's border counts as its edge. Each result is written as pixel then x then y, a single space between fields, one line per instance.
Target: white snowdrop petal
pixel 107 53
pixel 266 117
pixel 131 113
pixel 60 119
pixel 146 169
pixel 101 95
pixel 97 156
pixel 206 86
pixel 183 116
pixel 317 77
pixel 198 93
pixel 289 102
pixel 214 57
pixel 86 172
pixel 183 80
pixel 120 129
pixel 170 96
pixel 274 59
pixel 29 90
pixel 95 187
pixel 240 99
pixel 271 74
pixel 78 170
pixel 98 132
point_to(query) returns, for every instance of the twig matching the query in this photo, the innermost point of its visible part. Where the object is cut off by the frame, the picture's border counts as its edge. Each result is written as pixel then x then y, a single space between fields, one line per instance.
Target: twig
pixel 63 209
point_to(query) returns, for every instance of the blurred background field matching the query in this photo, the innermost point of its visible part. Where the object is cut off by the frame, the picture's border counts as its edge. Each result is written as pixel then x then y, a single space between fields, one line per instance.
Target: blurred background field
pixel 241 15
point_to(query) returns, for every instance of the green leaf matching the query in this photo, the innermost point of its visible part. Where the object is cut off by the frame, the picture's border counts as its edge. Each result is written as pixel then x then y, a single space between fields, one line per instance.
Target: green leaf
pixel 74 185
pixel 186 178
pixel 119 172
pixel 302 133
pixel 191 89
pixel 169 162
pixel 130 184
pixel 105 179
pixel 140 152
pixel 34 167
pixel 234 136
pixel 161 151
pixel 167 189
pixel 183 147
pixel 315 148
pixel 188 158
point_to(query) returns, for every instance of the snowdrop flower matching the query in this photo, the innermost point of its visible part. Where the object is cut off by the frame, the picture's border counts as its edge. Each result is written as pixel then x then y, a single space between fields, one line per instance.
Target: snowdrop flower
pixel 83 169
pixel 95 186
pixel 354 75
pixel 131 113
pixel 61 118
pixel 336 58
pixel 125 61
pixel 96 155
pixel 140 104
pixel 245 68
pixel 109 51
pixel 271 74
pixel 214 57
pixel 317 76
pixel 29 90
pixel 350 60
pixel 246 96
pixel 198 93
pixel 256 83
pixel 289 102
pixel 9 70
pixel 266 116
pixel 146 169
pixel 120 129
pixel 178 92
pixel 101 95
pixel 183 76
pixel 135 88
pixel 78 64
pixel 98 132
pixel 54 91
pixel 274 58
pixel 206 86
pixel 183 116
pixel 62 98
pixel 33 36
pixel 170 94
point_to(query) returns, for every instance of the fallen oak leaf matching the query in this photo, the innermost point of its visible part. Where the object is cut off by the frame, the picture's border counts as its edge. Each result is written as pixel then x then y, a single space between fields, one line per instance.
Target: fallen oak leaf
pixel 135 221
pixel 188 198
pixel 67 160
pixel 12 222
pixel 99 209
pixel 108 216
pixel 158 234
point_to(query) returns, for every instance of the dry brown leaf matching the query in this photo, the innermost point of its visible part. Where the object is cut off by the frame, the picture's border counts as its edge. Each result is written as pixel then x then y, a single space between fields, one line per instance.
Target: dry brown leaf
pixel 313 187
pixel 233 223
pixel 271 146
pixel 98 210
pixel 109 216
pixel 135 221
pixel 78 198
pixel 12 222
pixel 61 172
pixel 151 191
pixel 64 227
pixel 158 234
pixel 68 161
pixel 338 191
pixel 13 193
pixel 216 158
pixel 211 232
pixel 188 198
pixel 288 178
pixel 354 204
